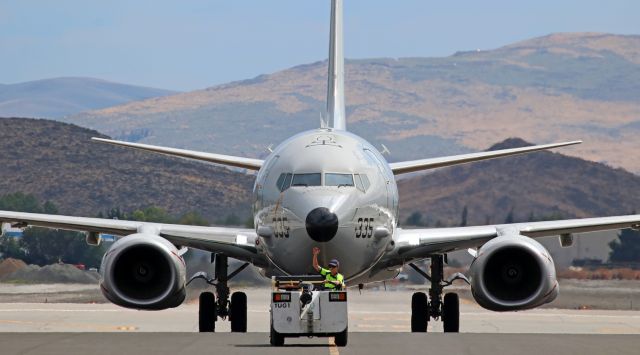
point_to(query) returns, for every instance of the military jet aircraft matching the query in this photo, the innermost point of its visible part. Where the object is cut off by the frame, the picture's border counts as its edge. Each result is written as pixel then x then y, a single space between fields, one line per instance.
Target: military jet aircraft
pixel 331 189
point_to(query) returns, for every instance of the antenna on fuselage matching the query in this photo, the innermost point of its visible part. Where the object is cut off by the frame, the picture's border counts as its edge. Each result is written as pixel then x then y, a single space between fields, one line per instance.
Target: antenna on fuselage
pixel 323 121
pixel 335 88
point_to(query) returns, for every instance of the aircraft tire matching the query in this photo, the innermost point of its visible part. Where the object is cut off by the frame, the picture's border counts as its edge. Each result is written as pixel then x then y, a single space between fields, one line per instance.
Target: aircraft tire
pixel 238 315
pixel 275 338
pixel 419 312
pixel 207 314
pixel 451 313
pixel 341 338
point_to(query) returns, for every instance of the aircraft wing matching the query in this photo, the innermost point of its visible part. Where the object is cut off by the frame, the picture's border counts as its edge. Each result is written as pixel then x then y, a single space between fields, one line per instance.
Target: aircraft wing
pixel 420 243
pixel 238 243
pixel 433 163
pixel 240 162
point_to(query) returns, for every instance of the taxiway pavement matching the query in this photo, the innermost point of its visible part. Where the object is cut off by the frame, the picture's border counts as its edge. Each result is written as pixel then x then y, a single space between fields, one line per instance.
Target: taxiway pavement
pixel 359 343
pixel 368 312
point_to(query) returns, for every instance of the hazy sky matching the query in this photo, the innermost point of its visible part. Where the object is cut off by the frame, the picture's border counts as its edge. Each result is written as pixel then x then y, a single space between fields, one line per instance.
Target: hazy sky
pixel 192 44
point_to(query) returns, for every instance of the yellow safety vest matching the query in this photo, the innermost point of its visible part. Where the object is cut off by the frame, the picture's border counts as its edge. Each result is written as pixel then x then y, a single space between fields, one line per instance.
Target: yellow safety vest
pixel 329 277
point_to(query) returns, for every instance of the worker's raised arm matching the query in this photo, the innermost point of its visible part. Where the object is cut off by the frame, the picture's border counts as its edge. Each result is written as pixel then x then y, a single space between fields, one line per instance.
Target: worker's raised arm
pixel 316 251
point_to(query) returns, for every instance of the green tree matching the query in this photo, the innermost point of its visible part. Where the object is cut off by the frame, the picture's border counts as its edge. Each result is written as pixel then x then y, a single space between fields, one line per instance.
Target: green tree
pixel 463 218
pixel 47 246
pixel 49 208
pixel 626 248
pixel 249 223
pixel 532 217
pixel 116 213
pixel 152 214
pixel 20 202
pixel 193 219
pixel 10 248
pixel 415 219
pixel 231 220
pixel 510 218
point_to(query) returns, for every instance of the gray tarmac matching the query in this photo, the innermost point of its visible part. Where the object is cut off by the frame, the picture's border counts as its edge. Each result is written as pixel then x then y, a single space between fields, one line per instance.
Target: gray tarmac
pixel 379 324
pixel 359 343
pixel 370 311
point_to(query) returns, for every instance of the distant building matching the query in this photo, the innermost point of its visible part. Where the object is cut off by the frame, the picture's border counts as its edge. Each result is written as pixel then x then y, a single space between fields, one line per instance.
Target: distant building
pixel 9 232
pixel 107 238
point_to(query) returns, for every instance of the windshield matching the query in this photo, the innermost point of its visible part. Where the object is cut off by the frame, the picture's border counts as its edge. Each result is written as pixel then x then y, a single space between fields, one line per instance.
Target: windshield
pixel 284 181
pixel 306 179
pixel 338 180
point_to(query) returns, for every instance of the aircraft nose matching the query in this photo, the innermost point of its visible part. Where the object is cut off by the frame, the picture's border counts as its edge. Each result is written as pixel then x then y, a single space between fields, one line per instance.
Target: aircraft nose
pixel 322 224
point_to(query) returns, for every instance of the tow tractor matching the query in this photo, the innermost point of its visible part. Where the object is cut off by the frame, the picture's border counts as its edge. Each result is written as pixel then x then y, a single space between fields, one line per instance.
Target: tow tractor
pixel 300 307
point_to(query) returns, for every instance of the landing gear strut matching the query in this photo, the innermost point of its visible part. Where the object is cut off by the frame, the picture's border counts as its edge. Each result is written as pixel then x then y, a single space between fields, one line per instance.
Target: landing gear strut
pixel 435 306
pixel 212 308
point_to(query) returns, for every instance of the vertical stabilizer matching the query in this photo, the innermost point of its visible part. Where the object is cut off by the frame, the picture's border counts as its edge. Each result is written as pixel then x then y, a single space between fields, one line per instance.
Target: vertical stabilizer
pixel 335 94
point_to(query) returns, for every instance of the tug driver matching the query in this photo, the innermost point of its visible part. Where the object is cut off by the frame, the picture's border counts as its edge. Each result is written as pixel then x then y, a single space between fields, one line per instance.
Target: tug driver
pixel 333 280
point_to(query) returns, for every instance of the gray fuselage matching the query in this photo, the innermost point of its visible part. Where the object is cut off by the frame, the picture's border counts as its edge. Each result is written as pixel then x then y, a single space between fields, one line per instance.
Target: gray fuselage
pixel 326 188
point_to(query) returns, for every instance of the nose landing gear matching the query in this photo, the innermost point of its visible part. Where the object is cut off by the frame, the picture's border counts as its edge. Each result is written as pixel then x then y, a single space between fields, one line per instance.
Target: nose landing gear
pixel 210 308
pixel 435 306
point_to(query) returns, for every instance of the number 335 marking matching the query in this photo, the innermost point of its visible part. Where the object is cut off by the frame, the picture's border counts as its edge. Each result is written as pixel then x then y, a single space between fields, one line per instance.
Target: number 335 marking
pixel 364 228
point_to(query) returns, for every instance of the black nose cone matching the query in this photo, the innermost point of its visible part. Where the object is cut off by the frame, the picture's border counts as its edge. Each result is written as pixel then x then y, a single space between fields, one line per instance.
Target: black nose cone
pixel 322 224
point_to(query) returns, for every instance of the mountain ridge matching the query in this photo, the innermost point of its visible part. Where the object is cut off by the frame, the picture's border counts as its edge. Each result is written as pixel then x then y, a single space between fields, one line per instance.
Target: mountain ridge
pixel 59 162
pixel 541 185
pixel 62 96
pixel 546 89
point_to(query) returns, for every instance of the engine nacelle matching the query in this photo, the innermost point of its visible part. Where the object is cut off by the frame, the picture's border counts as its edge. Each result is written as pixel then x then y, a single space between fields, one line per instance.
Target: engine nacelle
pixel 513 273
pixel 143 271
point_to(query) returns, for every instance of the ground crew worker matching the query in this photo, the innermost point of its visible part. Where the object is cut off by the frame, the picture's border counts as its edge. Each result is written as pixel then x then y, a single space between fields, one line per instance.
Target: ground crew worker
pixel 333 279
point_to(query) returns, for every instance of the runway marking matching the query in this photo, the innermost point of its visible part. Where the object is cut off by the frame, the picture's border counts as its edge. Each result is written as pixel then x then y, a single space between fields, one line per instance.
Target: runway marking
pixel 333 348
pixel 127 328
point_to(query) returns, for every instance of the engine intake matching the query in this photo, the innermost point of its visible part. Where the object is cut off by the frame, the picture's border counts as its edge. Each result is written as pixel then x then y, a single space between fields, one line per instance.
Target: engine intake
pixel 513 273
pixel 143 271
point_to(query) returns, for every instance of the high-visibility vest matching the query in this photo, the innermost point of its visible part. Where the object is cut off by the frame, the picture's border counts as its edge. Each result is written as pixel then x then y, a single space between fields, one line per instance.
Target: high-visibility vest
pixel 329 277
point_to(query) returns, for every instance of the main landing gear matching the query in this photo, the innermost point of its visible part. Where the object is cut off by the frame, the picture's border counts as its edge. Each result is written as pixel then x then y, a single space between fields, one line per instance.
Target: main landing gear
pixel 212 309
pixel 435 306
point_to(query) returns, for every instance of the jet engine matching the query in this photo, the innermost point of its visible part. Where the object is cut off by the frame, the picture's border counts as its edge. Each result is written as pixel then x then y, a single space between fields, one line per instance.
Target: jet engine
pixel 143 271
pixel 513 273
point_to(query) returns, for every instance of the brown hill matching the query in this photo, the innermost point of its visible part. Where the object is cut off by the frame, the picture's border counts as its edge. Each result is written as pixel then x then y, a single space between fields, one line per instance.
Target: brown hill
pixel 58 162
pixel 559 87
pixel 533 186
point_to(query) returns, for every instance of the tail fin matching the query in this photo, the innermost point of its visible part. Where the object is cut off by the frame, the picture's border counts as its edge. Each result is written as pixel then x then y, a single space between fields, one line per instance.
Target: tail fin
pixel 335 93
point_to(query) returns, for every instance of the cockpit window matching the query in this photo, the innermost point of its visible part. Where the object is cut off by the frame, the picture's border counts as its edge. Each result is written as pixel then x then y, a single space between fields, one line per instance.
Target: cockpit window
pixel 280 181
pixel 362 182
pixel 284 181
pixel 338 180
pixel 287 182
pixel 307 179
pixel 359 185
